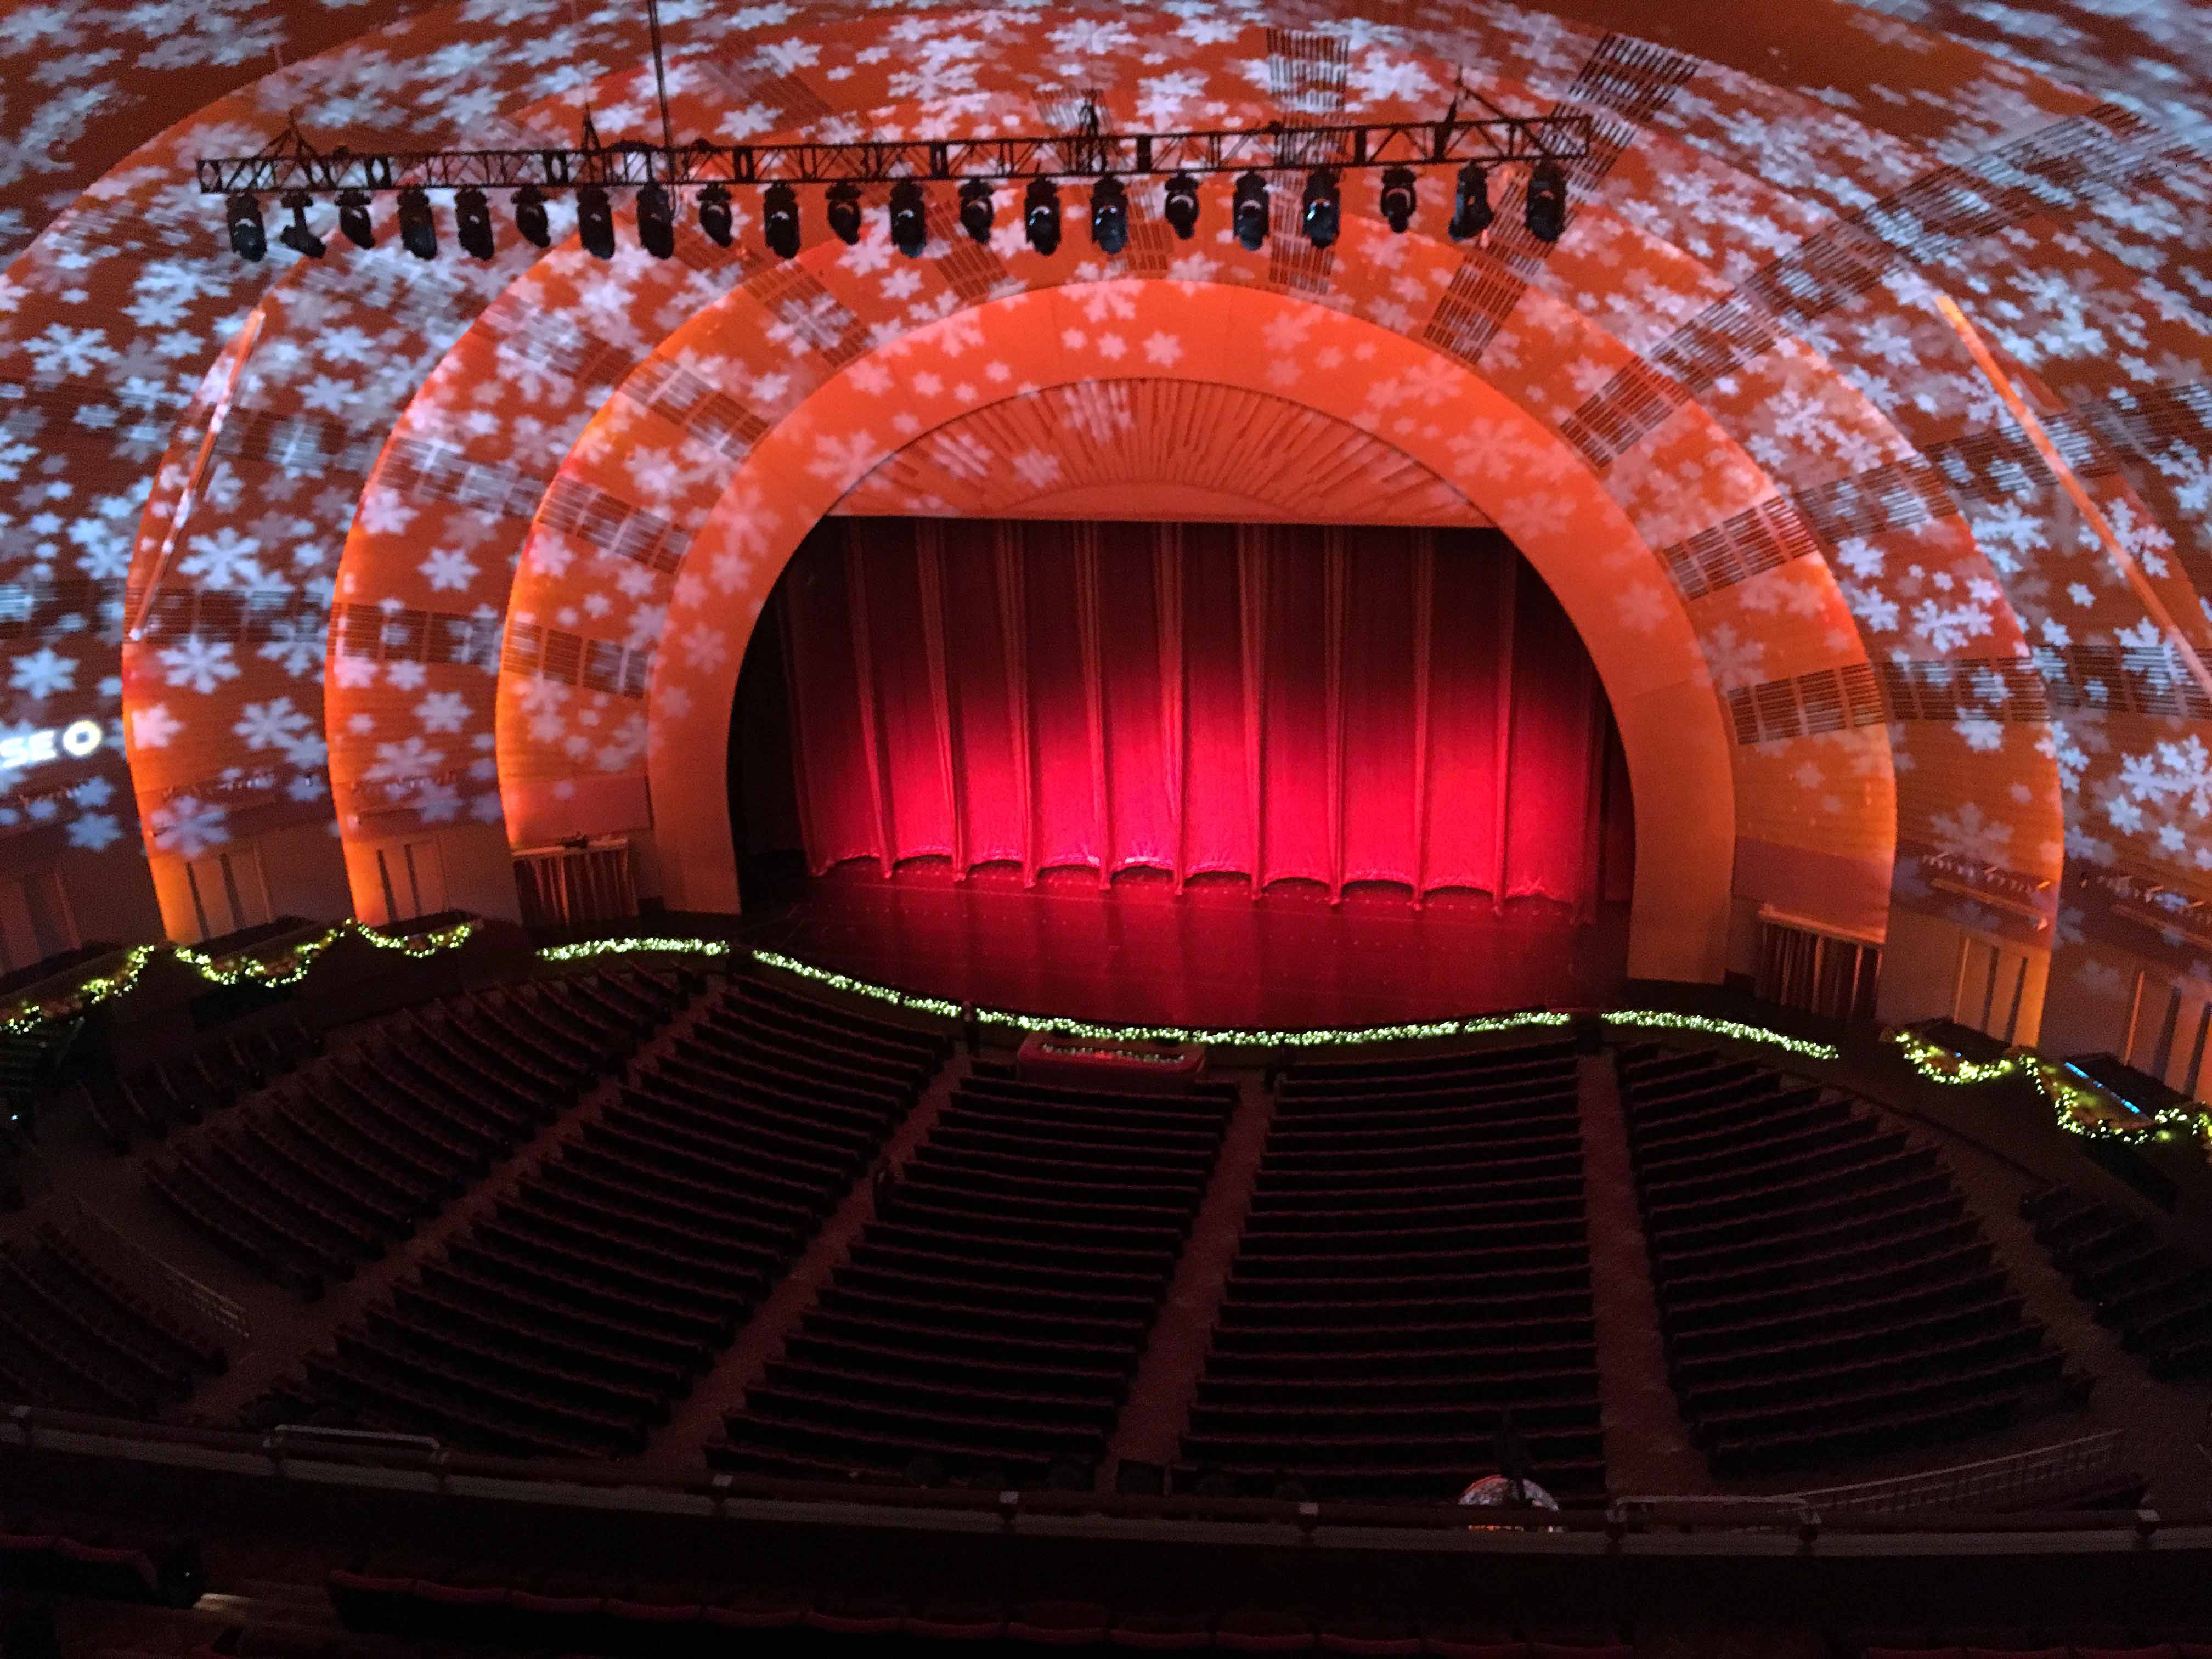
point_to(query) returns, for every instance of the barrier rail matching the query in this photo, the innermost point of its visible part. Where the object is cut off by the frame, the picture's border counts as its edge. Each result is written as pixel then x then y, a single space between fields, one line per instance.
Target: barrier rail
pixel 94 1235
pixel 1646 1525
pixel 1964 1486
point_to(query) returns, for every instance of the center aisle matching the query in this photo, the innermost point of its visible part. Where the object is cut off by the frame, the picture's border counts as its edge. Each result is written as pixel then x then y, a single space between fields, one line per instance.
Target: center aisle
pixel 1158 1410
pixel 1647 1444
pixel 763 1337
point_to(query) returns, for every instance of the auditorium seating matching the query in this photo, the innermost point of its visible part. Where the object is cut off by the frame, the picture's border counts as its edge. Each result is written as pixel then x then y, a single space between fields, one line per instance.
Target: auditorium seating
pixel 398 1595
pixel 985 1326
pixel 62 1553
pixel 341 1160
pixel 1822 1291
pixel 2157 1298
pixel 572 1313
pixel 73 1335
pixel 1414 1269
pixel 154 1098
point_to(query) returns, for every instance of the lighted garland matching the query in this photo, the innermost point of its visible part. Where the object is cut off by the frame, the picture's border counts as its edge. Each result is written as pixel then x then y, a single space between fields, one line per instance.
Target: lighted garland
pixel 239 969
pixel 2074 1107
pixel 624 947
pixel 1473 1025
pixel 1735 1030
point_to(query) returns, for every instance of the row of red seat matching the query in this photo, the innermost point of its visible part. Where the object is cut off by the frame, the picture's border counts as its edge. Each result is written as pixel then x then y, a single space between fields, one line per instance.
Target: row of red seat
pixel 570 1317
pixel 1821 1293
pixel 348 1157
pixel 602 1615
pixel 991 1313
pixel 1412 1274
pixel 62 1553
pixel 2157 1298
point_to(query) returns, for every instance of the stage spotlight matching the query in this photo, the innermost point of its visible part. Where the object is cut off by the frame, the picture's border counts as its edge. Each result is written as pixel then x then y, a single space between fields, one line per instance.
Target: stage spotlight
pixel 656 220
pixel 248 239
pixel 976 211
pixel 530 220
pixel 909 218
pixel 844 213
pixel 1398 198
pixel 716 220
pixel 1109 215
pixel 1322 211
pixel 296 235
pixel 1182 207
pixel 1041 216
pixel 353 218
pixel 472 222
pixel 1546 214
pixel 1248 214
pixel 595 221
pixel 1470 203
pixel 418 231
pixel 779 218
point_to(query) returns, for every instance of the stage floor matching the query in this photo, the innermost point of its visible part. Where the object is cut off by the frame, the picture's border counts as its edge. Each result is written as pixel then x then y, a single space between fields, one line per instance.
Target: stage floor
pixel 1138 953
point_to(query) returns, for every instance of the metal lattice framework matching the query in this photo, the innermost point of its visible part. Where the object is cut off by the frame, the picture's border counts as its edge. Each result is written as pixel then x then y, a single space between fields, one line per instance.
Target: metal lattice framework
pixel 291 163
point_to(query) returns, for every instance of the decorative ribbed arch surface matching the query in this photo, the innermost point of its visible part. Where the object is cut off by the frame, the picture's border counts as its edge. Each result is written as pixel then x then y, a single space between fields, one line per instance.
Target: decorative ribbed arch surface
pixel 1738 337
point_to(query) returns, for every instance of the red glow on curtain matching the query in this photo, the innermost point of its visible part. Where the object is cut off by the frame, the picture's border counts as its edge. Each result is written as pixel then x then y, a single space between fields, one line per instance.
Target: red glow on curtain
pixel 1293 702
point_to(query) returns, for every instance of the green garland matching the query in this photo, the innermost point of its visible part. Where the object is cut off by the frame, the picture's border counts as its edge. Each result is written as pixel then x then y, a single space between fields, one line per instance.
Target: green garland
pixel 2072 1104
pixel 907 1002
pixel 237 969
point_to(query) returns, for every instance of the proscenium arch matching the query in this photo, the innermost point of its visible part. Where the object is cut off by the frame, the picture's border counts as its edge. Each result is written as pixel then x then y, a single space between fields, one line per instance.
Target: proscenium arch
pixel 1579 540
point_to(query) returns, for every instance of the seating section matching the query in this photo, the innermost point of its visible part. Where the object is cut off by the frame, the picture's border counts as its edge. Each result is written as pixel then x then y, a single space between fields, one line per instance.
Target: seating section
pixel 74 1337
pixel 1822 1291
pixel 570 1612
pixel 1413 1272
pixel 570 1316
pixel 151 1100
pixel 60 1553
pixel 338 1162
pixel 2156 1297
pixel 988 1321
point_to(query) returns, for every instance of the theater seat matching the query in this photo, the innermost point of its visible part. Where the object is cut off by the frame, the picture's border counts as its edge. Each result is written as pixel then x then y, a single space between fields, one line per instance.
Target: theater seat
pixel 754 1610
pixel 1259 1630
pixel 1368 1637
pixel 957 1621
pixel 1058 1623
pixel 857 1616
pixel 1162 1632
pixel 1466 1643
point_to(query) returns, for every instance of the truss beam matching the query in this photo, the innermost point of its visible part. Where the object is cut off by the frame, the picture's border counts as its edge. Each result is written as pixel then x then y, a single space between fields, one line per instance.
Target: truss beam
pixel 1078 155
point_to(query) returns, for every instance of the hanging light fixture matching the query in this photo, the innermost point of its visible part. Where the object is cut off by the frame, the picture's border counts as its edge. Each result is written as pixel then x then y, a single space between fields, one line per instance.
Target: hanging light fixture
pixel 844 213
pixel 656 220
pixel 595 221
pixel 418 230
pixel 909 218
pixel 1322 211
pixel 976 210
pixel 1181 205
pixel 779 218
pixel 1041 216
pixel 472 222
pixel 1397 200
pixel 1546 211
pixel 1470 203
pixel 297 235
pixel 353 218
pixel 1109 215
pixel 530 221
pixel 1248 212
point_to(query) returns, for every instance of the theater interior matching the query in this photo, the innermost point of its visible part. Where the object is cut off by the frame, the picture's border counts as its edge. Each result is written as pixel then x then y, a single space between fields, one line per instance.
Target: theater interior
pixel 1354 827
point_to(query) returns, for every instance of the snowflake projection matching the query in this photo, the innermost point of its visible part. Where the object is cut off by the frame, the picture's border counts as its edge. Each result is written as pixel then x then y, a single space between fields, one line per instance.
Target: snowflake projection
pixel 453 506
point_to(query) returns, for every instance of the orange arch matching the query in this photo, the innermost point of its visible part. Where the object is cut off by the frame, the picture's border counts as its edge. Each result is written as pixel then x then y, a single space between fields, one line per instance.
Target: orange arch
pixel 1450 421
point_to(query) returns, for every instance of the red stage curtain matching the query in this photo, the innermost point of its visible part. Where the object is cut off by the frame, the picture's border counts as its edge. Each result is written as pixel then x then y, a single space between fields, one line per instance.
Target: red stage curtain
pixel 1332 705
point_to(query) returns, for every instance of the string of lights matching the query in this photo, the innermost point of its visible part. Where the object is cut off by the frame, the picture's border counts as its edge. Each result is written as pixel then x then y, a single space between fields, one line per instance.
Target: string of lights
pixel 2079 1110
pixel 285 969
pixel 298 173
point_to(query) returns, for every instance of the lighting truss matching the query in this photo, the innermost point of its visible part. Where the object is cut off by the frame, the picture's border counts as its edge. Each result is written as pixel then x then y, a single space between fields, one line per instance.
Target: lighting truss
pixel 290 162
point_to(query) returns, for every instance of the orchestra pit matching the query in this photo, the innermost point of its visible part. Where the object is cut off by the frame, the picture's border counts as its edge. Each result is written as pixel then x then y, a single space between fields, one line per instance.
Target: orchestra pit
pixel 844 829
